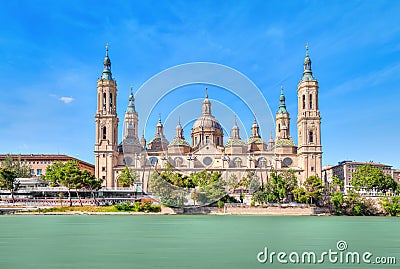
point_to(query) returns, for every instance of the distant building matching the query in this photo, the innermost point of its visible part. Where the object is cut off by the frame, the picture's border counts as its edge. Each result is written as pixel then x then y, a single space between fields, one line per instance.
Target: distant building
pixel 39 162
pixel 344 170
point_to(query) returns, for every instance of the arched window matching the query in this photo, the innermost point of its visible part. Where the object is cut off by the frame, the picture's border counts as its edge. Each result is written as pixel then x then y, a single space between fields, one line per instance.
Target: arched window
pixel 237 162
pixel 111 101
pixel 311 137
pixel 104 100
pixel 262 162
pixel 310 101
pixel 304 102
pixel 104 132
pixel 217 141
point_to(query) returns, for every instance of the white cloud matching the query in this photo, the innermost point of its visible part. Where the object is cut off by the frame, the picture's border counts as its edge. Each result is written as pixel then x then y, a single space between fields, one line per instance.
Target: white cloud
pixel 66 100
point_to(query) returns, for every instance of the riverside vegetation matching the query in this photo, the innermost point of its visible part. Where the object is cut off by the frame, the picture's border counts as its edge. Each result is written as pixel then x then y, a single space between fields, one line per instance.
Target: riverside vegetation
pixel 146 207
pixel 173 188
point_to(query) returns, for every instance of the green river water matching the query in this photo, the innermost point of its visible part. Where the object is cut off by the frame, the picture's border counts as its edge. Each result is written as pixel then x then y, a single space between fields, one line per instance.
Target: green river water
pixel 184 241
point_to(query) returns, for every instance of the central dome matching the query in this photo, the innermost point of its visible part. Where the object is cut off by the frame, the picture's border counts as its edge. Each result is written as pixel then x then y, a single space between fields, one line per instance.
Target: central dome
pixel 207 121
pixel 207 129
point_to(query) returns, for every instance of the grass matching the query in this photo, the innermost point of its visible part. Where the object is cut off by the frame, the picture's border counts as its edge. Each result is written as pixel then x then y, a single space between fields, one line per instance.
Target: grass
pixel 79 209
pixel 127 207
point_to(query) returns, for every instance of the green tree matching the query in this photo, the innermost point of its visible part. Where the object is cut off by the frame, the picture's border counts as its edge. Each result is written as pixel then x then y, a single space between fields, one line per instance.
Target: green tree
pixel 336 197
pixel 91 183
pixel 22 170
pixel 127 178
pixel 8 180
pixel 300 195
pixel 280 187
pixel 213 190
pixel 391 205
pixel 169 194
pixel 259 196
pixel 337 184
pixel 314 188
pixel 232 182
pixel 65 174
pixel 369 177
pixel 356 205
pixel 311 191
pixel 337 201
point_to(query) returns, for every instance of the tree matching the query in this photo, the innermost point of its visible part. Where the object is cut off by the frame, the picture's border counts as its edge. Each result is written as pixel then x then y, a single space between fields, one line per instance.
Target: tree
pixel 91 183
pixel 337 201
pixel 391 205
pixel 21 169
pixel 310 192
pixel 8 180
pixel 336 196
pixel 356 205
pixel 337 184
pixel 370 177
pixel 212 190
pixel 127 178
pixel 259 196
pixel 169 194
pixel 300 195
pixel 251 181
pixel 280 187
pixel 232 182
pixel 65 174
pixel 314 188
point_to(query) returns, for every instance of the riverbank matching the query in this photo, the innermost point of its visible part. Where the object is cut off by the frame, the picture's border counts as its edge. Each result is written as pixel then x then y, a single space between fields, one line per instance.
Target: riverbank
pixel 242 210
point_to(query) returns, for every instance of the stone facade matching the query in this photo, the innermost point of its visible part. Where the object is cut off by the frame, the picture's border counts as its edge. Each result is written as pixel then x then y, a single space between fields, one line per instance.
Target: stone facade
pixel 207 150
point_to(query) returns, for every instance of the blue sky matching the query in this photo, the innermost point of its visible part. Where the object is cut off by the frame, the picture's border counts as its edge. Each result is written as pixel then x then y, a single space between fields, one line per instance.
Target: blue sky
pixel 52 51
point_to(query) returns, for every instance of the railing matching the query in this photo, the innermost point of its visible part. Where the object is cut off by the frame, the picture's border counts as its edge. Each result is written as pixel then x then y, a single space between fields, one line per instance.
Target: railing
pixel 64 189
pixel 372 193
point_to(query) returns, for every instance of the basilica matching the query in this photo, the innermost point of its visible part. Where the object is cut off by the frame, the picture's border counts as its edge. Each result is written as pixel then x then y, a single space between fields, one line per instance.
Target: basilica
pixel 206 149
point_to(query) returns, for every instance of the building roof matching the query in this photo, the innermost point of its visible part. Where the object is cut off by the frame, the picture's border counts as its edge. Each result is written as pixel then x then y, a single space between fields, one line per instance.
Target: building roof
pixel 342 163
pixel 45 157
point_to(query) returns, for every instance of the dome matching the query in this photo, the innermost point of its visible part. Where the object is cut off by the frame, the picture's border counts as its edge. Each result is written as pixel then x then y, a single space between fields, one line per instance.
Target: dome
pixel 178 142
pixel 207 121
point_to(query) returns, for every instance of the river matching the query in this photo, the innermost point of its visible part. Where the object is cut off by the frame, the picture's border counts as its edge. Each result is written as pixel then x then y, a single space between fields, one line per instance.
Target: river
pixel 192 241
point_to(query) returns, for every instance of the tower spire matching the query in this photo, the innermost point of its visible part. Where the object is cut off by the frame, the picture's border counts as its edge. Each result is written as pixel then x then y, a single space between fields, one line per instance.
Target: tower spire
pixel 179 130
pixel 235 130
pixel 107 67
pixel 255 129
pixel 306 49
pixel 282 103
pixel 307 73
pixel 131 105
pixel 206 107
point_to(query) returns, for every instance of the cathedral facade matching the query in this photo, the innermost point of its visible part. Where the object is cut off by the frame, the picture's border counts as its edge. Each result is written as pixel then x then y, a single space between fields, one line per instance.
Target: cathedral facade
pixel 206 149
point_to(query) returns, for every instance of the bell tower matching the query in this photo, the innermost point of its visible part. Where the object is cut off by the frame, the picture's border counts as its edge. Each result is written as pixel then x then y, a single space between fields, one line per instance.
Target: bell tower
pixel 282 119
pixel 309 123
pixel 106 144
pixel 283 141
